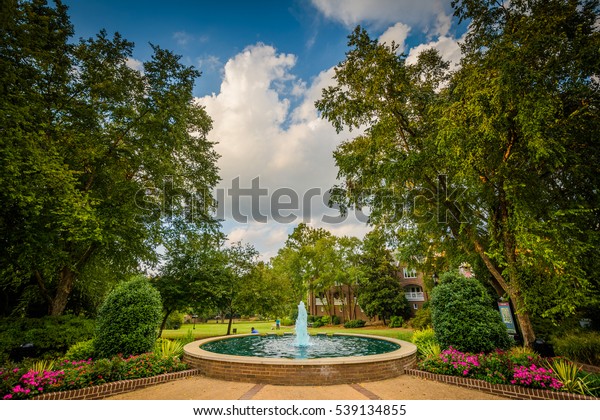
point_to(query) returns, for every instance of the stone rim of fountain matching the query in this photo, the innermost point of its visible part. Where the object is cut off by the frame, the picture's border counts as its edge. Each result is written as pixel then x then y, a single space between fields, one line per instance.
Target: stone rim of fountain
pixel 194 348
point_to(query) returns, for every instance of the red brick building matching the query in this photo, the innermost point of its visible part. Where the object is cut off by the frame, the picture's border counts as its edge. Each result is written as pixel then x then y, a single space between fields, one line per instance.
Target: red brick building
pixel 341 300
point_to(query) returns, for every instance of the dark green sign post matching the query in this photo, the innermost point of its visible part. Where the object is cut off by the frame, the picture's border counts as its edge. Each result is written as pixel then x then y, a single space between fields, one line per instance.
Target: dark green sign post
pixel 507 317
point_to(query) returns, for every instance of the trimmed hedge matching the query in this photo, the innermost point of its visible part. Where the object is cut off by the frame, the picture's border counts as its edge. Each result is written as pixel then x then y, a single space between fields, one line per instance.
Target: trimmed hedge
pixel 355 323
pixel 51 336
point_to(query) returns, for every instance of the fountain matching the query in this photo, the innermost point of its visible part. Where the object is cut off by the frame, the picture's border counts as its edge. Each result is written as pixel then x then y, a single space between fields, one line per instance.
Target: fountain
pixel 302 337
pixel 301 360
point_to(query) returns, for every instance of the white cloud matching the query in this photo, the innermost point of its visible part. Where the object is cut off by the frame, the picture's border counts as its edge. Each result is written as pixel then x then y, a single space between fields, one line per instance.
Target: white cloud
pixel 182 38
pixel 431 16
pixel 260 134
pixel 210 63
pixel 397 33
pixel 134 64
pixel 448 47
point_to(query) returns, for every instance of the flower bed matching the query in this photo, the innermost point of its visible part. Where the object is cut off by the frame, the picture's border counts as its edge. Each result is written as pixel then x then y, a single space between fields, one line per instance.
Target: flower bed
pixel 18 383
pixel 499 367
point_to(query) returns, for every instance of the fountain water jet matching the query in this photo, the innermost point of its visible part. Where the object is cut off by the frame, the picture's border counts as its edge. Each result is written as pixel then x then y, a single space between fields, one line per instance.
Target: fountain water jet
pixel 302 337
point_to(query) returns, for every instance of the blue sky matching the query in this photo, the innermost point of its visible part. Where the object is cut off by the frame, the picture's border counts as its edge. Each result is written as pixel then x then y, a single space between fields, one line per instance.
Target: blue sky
pixel 263 65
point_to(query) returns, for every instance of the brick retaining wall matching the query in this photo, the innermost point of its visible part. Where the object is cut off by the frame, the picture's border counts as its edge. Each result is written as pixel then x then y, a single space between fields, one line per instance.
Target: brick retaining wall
pixel 514 392
pixel 306 374
pixel 113 388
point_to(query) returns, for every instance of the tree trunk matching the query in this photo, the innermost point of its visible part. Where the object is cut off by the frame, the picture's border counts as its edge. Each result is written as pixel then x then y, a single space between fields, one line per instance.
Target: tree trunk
pixel 63 291
pixel 503 287
pixel 164 321
pixel 230 321
pixel 525 326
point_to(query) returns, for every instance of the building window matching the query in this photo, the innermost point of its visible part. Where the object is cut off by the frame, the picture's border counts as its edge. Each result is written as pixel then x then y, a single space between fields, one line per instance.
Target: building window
pixel 322 309
pixel 415 306
pixel 409 273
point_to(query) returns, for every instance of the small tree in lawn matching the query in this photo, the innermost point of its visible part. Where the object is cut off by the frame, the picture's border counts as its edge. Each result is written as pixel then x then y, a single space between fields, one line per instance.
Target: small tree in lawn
pixel 463 316
pixel 380 293
pixel 129 319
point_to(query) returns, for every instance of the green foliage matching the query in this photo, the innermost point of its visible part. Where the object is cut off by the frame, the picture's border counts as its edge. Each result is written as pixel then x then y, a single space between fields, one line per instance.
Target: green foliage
pixel 42 365
pixel 593 382
pixel 426 342
pixel 129 319
pixel 583 347
pixel 174 320
pixel 424 336
pixel 430 350
pixel 571 377
pixel 513 130
pixel 355 323
pixel 192 266
pixel 314 260
pixel 335 320
pixel 82 350
pixel 287 322
pixel 95 157
pixel 422 318
pixel 168 348
pixel 522 353
pixel 189 337
pixel 318 324
pixel 51 336
pixel 380 293
pixel 463 316
pixel 396 321
pixel 325 320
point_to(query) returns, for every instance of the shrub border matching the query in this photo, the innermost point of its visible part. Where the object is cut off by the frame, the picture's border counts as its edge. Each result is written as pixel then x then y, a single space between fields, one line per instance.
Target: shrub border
pixel 514 392
pixel 98 392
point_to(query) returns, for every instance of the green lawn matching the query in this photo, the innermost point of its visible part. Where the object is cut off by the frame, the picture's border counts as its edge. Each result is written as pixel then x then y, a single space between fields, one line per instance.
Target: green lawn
pixel 212 329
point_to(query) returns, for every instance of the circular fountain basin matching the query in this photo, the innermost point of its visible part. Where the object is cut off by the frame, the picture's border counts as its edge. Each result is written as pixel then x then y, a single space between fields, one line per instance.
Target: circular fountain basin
pixel 390 360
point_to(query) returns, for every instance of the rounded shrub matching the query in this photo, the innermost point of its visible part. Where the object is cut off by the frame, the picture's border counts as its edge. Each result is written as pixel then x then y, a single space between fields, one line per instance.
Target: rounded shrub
pixel 128 320
pixel 463 316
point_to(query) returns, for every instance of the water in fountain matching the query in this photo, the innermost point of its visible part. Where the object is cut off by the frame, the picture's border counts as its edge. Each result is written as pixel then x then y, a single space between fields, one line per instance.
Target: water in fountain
pixel 302 339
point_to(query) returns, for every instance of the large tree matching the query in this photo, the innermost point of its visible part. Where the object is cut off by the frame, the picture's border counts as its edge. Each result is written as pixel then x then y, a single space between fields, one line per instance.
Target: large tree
pixel 239 264
pixel 300 262
pixel 192 268
pixel 496 160
pixel 94 154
